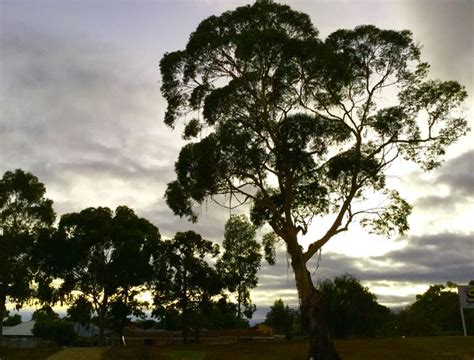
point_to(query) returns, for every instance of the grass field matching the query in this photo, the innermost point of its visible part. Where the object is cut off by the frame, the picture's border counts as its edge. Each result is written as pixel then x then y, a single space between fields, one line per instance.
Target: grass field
pixel 426 348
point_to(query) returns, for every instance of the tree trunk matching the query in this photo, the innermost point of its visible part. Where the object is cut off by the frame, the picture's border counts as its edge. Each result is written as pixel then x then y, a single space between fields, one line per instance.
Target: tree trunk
pixel 3 300
pixel 311 301
pixel 101 328
pixel 102 314
pixel 239 312
pixel 321 345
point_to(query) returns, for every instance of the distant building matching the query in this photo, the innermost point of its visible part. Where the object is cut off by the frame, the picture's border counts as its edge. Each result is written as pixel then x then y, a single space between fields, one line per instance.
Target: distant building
pixel 20 336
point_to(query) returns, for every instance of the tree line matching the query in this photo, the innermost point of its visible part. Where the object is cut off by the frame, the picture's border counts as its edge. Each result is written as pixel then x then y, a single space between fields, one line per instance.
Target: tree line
pixel 98 261
pixel 351 310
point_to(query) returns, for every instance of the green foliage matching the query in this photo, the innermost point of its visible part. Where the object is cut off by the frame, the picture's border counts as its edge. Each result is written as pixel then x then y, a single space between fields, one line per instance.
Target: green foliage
pixel 147 324
pixel 350 309
pixel 221 314
pixel 80 311
pixel 106 256
pixel 25 216
pixel 60 331
pixel 46 313
pixel 282 319
pixel 185 282
pixel 120 310
pixel 436 312
pixel 49 326
pixel 240 262
pixel 12 320
pixel 269 241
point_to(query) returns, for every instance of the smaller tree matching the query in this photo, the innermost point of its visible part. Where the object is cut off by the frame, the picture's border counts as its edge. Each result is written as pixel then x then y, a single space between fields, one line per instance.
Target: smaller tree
pixel 436 312
pixel 351 309
pixel 281 318
pixel 184 280
pixel 222 314
pixel 49 326
pixel 25 214
pixel 107 257
pixel 45 313
pixel 120 310
pixel 240 262
pixel 80 311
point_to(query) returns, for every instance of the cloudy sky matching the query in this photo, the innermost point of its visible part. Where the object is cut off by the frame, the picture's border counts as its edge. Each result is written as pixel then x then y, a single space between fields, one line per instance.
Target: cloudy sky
pixel 81 109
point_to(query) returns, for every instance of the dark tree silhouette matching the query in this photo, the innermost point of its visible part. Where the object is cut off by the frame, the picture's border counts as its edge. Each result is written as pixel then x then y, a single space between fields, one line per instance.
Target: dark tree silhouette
pixel 351 309
pixel 435 312
pixel 107 257
pixel 49 326
pixel 240 262
pixel 11 320
pixel 281 318
pixel 188 282
pixel 25 214
pixel 303 128
pixel 80 311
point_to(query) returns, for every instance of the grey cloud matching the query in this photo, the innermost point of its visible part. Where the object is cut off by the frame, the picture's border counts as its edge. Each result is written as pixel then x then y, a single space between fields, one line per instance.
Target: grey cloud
pixel 429 259
pixel 458 175
pixel 442 203
pixel 445 29
pixel 81 110
pixel 394 300
pixel 210 225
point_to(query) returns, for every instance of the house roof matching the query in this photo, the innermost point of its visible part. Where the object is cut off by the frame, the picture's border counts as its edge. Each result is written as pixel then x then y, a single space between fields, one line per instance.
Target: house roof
pixel 23 329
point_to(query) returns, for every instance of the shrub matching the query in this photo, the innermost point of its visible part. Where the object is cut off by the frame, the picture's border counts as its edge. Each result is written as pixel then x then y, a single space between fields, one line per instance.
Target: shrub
pixel 60 331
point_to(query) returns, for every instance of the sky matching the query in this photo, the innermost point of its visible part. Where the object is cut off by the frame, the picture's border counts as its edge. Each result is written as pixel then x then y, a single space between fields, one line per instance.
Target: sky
pixel 81 110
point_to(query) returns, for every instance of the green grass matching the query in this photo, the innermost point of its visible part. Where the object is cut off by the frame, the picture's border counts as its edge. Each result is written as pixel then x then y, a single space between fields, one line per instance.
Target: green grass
pixel 186 355
pixel 423 348
pixel 92 353
pixel 28 354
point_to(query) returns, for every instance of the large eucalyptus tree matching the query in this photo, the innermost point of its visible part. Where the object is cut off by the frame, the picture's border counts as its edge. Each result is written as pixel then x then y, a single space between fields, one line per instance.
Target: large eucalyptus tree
pixel 303 128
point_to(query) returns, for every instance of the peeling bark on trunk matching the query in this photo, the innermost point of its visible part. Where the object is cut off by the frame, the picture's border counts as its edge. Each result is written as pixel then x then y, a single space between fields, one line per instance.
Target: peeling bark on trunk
pixel 321 345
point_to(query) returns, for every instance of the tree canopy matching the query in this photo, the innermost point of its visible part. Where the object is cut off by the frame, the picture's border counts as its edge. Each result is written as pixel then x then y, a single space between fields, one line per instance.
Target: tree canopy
pixel 25 215
pixel 281 318
pixel 296 124
pixel 107 256
pixel 185 283
pixel 303 128
pixel 240 262
pixel 435 312
pixel 352 309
